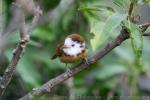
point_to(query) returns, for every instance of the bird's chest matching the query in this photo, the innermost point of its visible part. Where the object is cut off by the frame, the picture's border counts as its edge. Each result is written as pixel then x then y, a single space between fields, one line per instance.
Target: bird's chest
pixel 73 58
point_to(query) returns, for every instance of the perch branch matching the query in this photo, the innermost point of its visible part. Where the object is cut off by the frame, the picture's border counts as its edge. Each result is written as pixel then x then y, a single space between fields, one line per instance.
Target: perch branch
pixel 24 38
pixel 61 78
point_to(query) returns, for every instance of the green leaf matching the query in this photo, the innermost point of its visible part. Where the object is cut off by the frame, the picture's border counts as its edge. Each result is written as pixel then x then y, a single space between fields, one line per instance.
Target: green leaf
pixel 112 22
pixel 124 53
pixel 43 33
pixel 109 71
pixel 67 18
pixel 96 27
pixel 103 30
pixel 44 58
pixel 136 42
pixel 97 5
pixel 122 3
pixel 28 72
pixel 96 8
pixel 93 8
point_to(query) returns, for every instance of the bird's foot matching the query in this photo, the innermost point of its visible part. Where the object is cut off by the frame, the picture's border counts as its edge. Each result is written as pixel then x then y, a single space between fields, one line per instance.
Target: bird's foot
pixel 69 72
pixel 85 60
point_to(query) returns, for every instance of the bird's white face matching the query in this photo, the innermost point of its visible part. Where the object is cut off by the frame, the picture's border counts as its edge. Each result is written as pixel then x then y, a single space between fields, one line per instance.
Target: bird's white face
pixel 73 48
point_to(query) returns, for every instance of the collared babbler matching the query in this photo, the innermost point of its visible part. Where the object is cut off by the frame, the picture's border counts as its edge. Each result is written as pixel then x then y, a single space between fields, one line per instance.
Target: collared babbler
pixel 72 49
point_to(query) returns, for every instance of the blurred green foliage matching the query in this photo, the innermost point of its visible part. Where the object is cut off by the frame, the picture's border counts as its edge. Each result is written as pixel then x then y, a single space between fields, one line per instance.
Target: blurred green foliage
pixel 103 19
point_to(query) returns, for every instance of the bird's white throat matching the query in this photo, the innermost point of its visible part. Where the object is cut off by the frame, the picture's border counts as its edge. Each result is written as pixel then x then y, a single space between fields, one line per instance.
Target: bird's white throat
pixel 74 47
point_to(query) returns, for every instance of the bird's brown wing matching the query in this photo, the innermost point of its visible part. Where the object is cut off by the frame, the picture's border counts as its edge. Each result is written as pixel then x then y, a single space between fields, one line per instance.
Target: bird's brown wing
pixel 59 51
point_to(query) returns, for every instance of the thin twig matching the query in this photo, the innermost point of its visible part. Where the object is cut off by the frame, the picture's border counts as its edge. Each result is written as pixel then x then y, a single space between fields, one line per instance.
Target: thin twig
pixel 24 38
pixel 130 10
pixel 131 14
pixel 146 33
pixel 16 56
pixel 144 25
pixel 61 78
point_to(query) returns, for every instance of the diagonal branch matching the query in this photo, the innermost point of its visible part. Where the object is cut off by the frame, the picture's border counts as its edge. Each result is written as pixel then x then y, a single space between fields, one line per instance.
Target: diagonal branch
pixel 24 38
pixel 146 34
pixel 61 78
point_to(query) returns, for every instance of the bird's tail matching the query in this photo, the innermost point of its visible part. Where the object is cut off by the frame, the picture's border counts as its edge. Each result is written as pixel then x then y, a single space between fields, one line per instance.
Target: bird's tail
pixel 54 57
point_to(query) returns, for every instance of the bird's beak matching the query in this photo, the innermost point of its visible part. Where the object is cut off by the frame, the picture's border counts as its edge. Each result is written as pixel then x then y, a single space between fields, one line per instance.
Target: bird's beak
pixel 66 46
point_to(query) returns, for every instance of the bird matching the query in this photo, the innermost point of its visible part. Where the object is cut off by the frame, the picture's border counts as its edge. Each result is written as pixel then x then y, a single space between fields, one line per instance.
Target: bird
pixel 72 49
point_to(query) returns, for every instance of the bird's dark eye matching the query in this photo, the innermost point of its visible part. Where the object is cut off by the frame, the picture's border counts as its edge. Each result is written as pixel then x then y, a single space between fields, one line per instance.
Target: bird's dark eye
pixel 72 45
pixel 81 46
